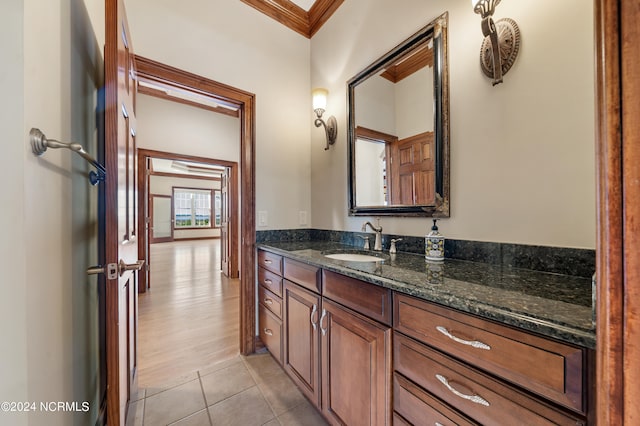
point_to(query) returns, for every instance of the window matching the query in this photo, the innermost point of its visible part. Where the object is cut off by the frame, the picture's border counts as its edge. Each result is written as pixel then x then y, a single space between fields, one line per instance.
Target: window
pixel 192 208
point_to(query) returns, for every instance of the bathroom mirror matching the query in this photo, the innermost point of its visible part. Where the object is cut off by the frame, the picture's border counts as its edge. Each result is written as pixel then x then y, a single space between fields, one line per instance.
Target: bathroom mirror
pixel 399 129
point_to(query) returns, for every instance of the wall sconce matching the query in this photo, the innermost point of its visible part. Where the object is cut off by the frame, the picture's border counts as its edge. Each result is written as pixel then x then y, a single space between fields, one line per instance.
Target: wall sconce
pixel 319 104
pixel 501 43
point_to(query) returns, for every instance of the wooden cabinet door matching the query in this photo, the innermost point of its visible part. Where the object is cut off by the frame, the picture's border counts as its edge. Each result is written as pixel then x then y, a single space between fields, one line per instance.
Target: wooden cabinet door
pixel 301 339
pixel 356 367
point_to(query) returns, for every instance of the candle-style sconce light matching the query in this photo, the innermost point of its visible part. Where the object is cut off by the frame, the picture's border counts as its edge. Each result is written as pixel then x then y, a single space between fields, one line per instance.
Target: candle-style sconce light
pixel 319 96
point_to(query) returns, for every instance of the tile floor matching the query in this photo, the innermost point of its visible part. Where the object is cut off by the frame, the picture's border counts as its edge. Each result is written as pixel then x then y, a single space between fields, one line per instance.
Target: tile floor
pixel 243 391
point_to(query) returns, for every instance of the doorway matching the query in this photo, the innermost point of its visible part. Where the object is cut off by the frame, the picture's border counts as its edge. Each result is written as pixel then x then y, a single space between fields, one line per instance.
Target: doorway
pixel 162 175
pixel 244 103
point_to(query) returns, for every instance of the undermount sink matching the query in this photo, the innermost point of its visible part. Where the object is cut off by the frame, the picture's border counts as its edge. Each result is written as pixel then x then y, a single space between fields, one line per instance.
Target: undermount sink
pixel 354 257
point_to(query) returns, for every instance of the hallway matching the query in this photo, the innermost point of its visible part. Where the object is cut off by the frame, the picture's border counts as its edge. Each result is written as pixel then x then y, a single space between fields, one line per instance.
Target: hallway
pixel 190 371
pixel 188 319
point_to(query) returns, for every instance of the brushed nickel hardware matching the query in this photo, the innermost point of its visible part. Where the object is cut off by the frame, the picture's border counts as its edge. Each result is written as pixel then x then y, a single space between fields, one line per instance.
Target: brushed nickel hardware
pixel 124 267
pixel 268 301
pixel 111 270
pixel 366 245
pixel 268 281
pixel 314 311
pixel 473 398
pixel 324 314
pixel 377 245
pixel 267 261
pixel 268 332
pixel 473 343
pixel 40 143
pixel 392 248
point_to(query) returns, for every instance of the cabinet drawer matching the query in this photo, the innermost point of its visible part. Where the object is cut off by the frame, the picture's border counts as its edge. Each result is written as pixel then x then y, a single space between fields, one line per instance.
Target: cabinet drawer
pixel 270 301
pixel 365 298
pixel 548 368
pixel 300 273
pixel 479 396
pixel 270 332
pixel 419 408
pixel 271 261
pixel 399 421
pixel 270 280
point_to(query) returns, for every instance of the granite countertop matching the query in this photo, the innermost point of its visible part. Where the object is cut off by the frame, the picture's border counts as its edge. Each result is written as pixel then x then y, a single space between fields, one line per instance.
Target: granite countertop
pixel 554 305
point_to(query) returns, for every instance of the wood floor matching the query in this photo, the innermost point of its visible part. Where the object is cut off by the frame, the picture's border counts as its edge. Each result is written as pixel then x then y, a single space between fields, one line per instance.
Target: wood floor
pixel 188 319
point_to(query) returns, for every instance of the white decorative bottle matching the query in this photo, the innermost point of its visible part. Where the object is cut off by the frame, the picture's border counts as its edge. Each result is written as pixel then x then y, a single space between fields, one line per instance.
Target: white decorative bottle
pixel 434 244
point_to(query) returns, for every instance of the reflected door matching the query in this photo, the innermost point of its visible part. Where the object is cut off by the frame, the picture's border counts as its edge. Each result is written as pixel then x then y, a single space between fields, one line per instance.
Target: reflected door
pixel 161 219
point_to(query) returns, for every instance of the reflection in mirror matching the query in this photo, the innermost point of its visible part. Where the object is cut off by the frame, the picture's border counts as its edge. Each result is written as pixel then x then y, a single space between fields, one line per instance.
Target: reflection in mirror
pixel 399 131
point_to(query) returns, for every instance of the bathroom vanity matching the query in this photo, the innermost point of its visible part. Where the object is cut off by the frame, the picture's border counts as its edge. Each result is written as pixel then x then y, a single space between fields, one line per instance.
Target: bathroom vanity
pixel 407 342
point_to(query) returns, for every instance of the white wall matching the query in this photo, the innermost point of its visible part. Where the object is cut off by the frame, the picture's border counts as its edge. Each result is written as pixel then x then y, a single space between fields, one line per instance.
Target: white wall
pixel 232 43
pixel 49 80
pixel 522 153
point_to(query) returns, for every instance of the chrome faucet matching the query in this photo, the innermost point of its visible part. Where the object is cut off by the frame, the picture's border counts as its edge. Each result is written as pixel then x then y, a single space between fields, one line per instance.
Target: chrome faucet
pixel 377 245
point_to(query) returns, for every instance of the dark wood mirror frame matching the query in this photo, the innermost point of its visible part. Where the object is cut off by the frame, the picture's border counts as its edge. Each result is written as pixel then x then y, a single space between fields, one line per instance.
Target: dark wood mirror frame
pixel 436 30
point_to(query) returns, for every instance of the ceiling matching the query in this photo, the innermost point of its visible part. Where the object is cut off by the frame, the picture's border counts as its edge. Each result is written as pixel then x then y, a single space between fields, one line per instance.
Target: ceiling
pixel 303 16
pixel 187 168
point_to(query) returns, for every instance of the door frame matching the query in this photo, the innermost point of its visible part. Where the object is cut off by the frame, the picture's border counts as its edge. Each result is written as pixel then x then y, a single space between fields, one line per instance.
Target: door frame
pixel 246 104
pixel 618 212
pixel 144 195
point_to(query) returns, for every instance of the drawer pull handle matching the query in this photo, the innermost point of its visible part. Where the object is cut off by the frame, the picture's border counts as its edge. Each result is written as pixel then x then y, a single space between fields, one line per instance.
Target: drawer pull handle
pixel 267 261
pixel 473 398
pixel 314 311
pixel 268 301
pixel 473 343
pixel 438 424
pixel 268 332
pixel 268 281
pixel 324 314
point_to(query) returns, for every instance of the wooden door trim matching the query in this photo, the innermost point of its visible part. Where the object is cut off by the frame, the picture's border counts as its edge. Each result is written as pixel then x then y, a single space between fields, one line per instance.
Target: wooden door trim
pixel 246 104
pixel 618 209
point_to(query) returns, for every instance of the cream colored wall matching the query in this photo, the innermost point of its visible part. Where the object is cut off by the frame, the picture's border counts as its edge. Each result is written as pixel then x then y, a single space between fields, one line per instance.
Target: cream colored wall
pixel 49 350
pixel 13 290
pixel 182 129
pixel 232 43
pixel 522 152
pixel 163 185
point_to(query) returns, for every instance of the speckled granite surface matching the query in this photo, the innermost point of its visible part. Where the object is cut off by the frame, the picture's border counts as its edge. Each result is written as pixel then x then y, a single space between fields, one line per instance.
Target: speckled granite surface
pixel 554 305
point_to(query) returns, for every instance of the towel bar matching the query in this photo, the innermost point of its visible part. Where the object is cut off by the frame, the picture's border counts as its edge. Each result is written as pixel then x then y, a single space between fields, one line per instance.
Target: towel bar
pixel 40 143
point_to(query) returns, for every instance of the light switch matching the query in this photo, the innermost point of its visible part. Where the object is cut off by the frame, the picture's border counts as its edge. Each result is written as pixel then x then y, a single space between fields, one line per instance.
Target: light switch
pixel 263 218
pixel 302 217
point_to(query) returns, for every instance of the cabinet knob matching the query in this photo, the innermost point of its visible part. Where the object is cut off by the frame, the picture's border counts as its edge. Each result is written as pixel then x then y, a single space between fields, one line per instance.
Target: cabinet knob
pixel 268 332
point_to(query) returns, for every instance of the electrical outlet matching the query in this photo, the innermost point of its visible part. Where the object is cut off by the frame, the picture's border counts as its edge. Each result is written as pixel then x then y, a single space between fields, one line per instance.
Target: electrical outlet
pixel 263 218
pixel 302 217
